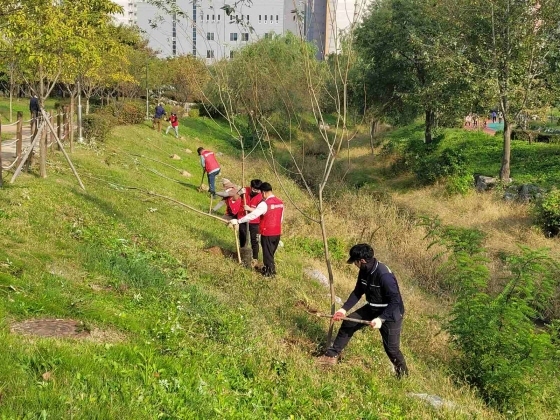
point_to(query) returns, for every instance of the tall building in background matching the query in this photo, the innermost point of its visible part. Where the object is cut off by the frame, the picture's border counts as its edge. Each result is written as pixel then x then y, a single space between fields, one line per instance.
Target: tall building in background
pixel 129 12
pixel 204 29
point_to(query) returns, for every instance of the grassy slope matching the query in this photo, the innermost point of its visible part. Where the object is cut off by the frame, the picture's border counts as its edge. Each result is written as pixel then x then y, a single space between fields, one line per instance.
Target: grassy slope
pixel 184 333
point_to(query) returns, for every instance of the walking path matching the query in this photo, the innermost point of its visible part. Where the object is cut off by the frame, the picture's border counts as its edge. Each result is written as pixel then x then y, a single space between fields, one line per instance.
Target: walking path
pixel 490 127
pixel 9 146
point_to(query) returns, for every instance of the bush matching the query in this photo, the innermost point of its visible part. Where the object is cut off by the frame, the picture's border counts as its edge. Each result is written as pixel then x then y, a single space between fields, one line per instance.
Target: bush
pixel 547 213
pixel 459 184
pixel 129 112
pixel 432 167
pixel 96 127
pixel 194 113
pixel 280 127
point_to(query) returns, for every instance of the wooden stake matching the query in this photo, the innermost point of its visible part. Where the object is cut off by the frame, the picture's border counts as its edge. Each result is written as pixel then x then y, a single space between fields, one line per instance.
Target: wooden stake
pixel 236 234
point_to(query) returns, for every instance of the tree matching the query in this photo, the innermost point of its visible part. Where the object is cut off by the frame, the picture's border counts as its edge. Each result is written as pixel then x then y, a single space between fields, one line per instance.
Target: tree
pixel 511 43
pixel 409 63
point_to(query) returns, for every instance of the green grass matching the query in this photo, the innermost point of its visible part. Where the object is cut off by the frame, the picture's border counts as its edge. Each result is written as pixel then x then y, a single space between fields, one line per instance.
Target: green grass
pixel 536 163
pixel 186 334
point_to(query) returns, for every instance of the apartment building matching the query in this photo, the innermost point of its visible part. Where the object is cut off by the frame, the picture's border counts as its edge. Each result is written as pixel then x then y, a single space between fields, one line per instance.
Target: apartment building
pixel 203 27
pixel 129 15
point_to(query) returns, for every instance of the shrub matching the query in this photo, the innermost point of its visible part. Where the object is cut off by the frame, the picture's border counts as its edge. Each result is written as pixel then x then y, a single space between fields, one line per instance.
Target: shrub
pixel 279 126
pixel 500 350
pixel 458 184
pixel 129 112
pixel 547 213
pixel 194 113
pixel 432 167
pixel 96 127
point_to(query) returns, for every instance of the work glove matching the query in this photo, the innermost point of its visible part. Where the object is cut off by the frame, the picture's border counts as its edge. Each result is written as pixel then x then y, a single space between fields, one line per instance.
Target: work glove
pixel 247 207
pixel 376 323
pixel 233 223
pixel 338 315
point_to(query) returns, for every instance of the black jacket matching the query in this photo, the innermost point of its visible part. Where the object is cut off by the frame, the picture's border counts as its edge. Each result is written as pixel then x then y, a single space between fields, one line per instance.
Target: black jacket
pixel 379 284
pixel 34 105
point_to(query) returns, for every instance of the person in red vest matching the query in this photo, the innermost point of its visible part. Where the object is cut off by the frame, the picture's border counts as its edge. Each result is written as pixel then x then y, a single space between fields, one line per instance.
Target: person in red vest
pixel 271 213
pixel 173 123
pixel 231 198
pixel 211 166
pixel 252 198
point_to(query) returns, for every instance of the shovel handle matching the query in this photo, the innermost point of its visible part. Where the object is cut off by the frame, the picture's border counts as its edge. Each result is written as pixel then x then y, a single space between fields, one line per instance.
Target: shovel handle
pixel 359 321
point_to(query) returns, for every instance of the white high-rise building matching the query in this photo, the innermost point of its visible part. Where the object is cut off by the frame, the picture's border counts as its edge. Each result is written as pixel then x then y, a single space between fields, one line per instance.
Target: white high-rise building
pixel 203 28
pixel 129 12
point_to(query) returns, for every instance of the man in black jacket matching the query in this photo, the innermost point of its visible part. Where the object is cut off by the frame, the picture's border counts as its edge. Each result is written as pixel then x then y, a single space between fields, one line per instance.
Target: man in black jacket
pixel 384 308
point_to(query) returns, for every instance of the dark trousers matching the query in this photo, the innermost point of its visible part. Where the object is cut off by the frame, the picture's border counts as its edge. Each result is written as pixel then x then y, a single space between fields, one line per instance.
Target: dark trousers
pixel 269 245
pixel 253 232
pixel 390 333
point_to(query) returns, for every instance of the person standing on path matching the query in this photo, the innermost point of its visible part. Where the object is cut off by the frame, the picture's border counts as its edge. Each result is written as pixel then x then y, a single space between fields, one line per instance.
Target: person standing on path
pixel 271 213
pixel 34 110
pixel 211 166
pixel 158 116
pixel 384 307
pixel 173 123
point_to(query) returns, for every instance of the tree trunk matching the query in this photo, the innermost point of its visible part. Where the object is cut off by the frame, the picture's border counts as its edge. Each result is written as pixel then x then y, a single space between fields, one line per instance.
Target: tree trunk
pixel 373 130
pixel 429 124
pixel 87 105
pixel 504 170
pixel 329 268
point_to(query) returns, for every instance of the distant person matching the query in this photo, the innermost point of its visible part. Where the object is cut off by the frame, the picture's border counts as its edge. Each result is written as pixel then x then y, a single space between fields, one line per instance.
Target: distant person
pixel 271 213
pixel 34 110
pixel 494 116
pixel 468 120
pixel 210 166
pixel 158 116
pixel 384 308
pixel 252 198
pixel 173 123
pixel 500 117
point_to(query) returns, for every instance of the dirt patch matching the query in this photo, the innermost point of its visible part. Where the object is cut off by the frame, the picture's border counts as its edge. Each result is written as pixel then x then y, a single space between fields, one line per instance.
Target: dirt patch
pixel 64 328
pixel 216 250
pixel 300 304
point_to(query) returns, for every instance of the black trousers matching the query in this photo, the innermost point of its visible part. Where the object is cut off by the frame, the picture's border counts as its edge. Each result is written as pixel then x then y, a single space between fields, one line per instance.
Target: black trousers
pixel 390 333
pixel 253 232
pixel 269 245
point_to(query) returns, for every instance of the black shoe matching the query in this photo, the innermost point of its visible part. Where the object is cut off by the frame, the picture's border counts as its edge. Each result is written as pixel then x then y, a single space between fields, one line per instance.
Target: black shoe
pixel 401 372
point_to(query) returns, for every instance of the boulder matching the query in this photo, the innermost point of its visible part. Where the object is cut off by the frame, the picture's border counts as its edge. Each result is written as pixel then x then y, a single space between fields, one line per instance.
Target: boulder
pixel 175 157
pixel 484 183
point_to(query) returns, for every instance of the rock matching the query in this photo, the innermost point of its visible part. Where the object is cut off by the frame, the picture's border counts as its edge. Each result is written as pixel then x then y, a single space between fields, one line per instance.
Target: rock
pixel 219 154
pixel 434 400
pixel 189 151
pixel 186 174
pixel 529 192
pixel 484 183
pixel 175 157
pixel 320 277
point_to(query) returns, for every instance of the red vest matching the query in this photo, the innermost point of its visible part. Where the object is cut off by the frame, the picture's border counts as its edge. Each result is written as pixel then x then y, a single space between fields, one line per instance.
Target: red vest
pixel 174 121
pixel 210 162
pixel 234 207
pixel 271 221
pixel 252 202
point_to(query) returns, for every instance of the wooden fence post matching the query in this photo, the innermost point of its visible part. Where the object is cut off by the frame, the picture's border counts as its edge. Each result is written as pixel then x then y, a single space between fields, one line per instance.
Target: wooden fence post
pixel 19 136
pixel 43 147
pixel 71 123
pixel 58 128
pixel 65 123
pixel 51 134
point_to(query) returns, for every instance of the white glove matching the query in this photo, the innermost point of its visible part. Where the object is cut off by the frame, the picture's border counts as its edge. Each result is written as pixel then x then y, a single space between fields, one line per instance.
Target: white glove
pixel 376 323
pixel 338 315
pixel 247 207
pixel 233 222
